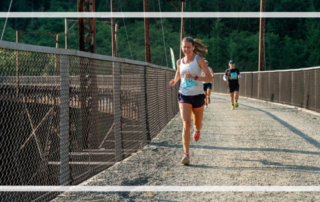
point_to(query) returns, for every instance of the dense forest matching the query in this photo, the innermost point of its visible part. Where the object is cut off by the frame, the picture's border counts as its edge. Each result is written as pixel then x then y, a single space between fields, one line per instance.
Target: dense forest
pixel 290 43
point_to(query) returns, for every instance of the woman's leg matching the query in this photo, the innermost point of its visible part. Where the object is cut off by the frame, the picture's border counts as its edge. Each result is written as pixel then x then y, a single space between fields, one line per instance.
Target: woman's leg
pixel 197 118
pixel 208 95
pixel 185 111
pixel 206 98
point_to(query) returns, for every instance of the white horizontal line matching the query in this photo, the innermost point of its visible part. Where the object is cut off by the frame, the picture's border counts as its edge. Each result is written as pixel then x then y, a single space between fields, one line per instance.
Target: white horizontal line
pixel 160 14
pixel 160 188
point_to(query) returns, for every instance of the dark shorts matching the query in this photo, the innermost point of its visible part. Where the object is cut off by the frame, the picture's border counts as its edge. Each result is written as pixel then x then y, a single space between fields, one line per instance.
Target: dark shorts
pixel 196 101
pixel 207 86
pixel 233 87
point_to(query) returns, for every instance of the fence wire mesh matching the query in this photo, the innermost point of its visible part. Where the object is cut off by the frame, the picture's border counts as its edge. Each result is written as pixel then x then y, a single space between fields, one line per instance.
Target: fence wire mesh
pixel 292 87
pixel 65 117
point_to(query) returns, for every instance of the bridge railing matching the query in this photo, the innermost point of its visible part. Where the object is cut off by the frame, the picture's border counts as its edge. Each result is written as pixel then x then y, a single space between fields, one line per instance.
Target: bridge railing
pixel 67 115
pixel 296 87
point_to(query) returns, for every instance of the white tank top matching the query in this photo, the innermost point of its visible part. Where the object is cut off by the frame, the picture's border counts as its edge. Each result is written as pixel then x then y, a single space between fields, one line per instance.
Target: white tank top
pixel 203 74
pixel 190 86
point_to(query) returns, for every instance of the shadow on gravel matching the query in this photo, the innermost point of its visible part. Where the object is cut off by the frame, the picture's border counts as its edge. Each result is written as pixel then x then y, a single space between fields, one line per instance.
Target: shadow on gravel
pixel 268 164
pixel 285 124
pixel 235 148
pixel 283 166
pixel 290 127
pixel 140 181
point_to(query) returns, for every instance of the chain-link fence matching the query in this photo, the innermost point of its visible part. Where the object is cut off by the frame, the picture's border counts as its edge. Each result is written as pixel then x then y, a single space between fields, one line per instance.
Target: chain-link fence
pixel 67 115
pixel 296 87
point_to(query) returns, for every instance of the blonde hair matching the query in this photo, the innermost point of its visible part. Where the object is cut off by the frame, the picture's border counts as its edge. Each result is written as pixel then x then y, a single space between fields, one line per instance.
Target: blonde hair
pixel 199 48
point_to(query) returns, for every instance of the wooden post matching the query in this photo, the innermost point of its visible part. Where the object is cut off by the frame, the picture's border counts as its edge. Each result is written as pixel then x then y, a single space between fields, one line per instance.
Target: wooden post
pixel 147 31
pixel 116 38
pixel 113 37
pixel 81 26
pixel 262 30
pixel 56 58
pixel 66 31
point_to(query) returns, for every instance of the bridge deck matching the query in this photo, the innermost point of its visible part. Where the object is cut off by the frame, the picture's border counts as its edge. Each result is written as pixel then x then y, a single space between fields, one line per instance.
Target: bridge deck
pixel 258 144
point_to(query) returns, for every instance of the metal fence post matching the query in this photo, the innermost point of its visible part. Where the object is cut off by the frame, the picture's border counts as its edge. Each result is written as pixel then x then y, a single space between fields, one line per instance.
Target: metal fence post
pixel 117 110
pixel 143 107
pixel 245 84
pixel 315 90
pixel 305 103
pixel 269 87
pixel 259 74
pixel 64 120
pixel 251 85
pixel 220 85
pixel 279 87
pixel 292 89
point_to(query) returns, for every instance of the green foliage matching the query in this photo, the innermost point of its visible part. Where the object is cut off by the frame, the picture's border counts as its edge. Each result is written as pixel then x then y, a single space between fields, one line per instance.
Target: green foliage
pixel 290 43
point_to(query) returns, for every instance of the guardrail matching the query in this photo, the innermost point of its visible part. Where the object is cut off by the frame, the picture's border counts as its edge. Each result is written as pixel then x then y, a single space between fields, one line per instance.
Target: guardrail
pixel 296 87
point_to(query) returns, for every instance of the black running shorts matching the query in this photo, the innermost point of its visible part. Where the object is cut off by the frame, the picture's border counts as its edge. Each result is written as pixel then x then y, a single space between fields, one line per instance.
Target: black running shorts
pixel 196 101
pixel 207 86
pixel 233 87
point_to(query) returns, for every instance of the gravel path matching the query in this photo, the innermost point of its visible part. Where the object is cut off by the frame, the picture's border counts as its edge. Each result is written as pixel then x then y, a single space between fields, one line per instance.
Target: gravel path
pixel 258 144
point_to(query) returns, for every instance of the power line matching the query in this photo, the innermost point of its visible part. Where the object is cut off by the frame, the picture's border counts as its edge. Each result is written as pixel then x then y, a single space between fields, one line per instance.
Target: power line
pixel 125 28
pixel 163 35
pixel 5 24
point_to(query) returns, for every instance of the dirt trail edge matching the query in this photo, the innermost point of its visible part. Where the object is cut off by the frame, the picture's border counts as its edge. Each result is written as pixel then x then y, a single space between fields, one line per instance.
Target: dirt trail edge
pixel 258 144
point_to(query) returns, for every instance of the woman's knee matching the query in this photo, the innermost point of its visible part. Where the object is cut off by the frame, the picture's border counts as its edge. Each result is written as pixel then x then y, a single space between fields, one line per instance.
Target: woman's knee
pixel 186 125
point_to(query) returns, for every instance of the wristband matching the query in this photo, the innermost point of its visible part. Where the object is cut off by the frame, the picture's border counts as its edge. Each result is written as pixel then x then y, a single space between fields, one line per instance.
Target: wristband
pixel 196 78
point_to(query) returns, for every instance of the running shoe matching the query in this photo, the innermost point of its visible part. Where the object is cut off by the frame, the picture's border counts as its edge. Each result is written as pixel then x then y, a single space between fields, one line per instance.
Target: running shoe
pixel 236 104
pixel 196 136
pixel 232 108
pixel 206 105
pixel 186 159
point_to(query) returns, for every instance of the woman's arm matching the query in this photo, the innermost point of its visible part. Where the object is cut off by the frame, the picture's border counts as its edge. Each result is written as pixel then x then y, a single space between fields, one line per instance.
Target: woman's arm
pixel 211 71
pixel 177 76
pixel 204 67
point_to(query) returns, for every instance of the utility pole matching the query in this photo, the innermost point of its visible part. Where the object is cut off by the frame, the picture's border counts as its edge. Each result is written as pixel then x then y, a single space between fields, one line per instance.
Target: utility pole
pixel 88 72
pixel 112 25
pixel 87 24
pixel 116 37
pixel 56 57
pixel 262 31
pixel 147 31
pixel 183 9
pixel 146 26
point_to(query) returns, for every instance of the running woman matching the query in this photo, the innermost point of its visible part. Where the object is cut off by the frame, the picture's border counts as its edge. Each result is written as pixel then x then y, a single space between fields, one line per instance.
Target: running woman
pixel 233 76
pixel 207 86
pixel 191 96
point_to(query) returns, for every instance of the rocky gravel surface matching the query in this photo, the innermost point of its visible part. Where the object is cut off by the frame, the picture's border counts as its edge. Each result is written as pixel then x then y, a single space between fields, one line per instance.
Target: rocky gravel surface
pixel 258 144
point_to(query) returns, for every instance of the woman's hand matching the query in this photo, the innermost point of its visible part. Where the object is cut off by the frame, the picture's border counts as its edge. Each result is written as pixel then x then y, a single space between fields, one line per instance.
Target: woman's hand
pixel 188 75
pixel 172 83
